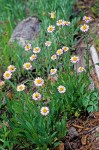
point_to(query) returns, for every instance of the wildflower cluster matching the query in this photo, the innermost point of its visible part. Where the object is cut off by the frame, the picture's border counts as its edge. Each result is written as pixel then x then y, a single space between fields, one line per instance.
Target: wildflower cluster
pixel 7 75
pixel 51 87
pixel 85 27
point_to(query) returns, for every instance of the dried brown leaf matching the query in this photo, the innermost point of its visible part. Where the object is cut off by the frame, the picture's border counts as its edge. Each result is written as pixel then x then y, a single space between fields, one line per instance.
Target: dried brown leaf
pixel 78 126
pixel 61 146
pixel 84 140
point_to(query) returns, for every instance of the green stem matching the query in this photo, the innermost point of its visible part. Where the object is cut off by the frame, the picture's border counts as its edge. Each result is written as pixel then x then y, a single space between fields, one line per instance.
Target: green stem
pixel 87 53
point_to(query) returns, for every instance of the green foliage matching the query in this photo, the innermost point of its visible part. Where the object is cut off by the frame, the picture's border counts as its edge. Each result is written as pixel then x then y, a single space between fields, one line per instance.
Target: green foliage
pixel 95 8
pixel 28 128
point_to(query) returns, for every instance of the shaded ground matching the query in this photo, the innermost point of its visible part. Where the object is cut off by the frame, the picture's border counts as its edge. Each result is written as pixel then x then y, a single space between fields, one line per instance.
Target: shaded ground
pixel 87 130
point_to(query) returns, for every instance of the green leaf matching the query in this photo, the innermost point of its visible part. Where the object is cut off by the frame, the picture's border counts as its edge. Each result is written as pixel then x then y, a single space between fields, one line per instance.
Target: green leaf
pixel 85 102
pixel 90 109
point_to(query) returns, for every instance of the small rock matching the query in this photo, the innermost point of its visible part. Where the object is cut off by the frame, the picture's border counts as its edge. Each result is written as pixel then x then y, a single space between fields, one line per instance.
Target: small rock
pixel 26 30
pixel 73 132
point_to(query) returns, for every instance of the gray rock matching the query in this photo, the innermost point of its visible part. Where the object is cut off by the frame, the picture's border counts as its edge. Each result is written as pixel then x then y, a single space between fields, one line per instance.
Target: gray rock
pixel 26 30
pixel 73 132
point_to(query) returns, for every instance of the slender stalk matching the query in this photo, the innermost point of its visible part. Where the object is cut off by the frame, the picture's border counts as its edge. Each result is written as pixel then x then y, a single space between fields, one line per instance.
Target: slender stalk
pixel 87 53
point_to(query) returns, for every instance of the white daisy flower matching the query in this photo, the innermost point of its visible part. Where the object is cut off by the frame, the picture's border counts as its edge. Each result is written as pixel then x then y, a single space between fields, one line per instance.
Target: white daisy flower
pixel 84 28
pixel 44 111
pixel 66 23
pixel 54 57
pixel 59 52
pixel 38 81
pixel 61 89
pixel 50 29
pixel 81 69
pixel 48 43
pixel 59 22
pixel 36 50
pixel 87 19
pixel 7 75
pixel 21 87
pixel 74 59
pixel 33 57
pixel 28 47
pixel 65 49
pixel 27 66
pixel 53 71
pixel 11 68
pixel 36 96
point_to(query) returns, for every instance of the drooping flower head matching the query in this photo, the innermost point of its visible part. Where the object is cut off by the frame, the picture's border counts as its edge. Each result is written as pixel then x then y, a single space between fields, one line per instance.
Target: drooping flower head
pixel 74 59
pixel 48 43
pixel 27 66
pixel 36 96
pixel 36 50
pixel 53 71
pixel 33 57
pixel 81 69
pixel 52 15
pixel 44 111
pixel 54 57
pixel 61 89
pixel 7 75
pixel 59 52
pixel 65 49
pixel 20 87
pixel 28 47
pixel 87 19
pixel 11 68
pixel 84 28
pixel 51 28
pixel 38 81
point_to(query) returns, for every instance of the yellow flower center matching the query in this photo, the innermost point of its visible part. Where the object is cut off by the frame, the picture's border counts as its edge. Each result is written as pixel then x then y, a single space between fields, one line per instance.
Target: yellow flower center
pixel 48 43
pixel 59 52
pixel 87 18
pixel 74 58
pixel 60 21
pixel 11 68
pixel 27 65
pixel 61 89
pixel 36 95
pixel 65 48
pixel 7 74
pixel 84 27
pixel 50 28
pixel 39 81
pixel 37 49
pixel 20 87
pixel 66 22
pixel 52 70
pixel 53 57
pixel 44 110
pixel 33 56
pixel 27 46
pixel 80 68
